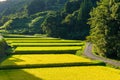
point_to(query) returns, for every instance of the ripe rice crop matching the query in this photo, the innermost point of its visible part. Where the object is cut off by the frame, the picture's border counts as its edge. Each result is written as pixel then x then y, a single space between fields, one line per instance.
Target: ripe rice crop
pixel 43 41
pixel 71 49
pixel 62 73
pixel 39 60
pixel 45 44
pixel 34 38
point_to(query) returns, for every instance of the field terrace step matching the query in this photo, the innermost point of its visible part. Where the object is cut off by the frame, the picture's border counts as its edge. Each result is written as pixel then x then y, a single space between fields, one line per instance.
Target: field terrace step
pixel 44 44
pixel 34 38
pixel 47 50
pixel 46 60
pixel 43 41
pixel 62 73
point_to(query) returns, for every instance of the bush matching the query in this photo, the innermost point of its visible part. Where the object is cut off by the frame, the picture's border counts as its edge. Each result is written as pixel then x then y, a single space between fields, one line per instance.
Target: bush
pixel 3 46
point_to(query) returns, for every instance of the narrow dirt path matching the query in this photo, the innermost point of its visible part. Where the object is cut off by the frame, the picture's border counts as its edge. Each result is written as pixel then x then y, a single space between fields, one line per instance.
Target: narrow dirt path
pixel 88 53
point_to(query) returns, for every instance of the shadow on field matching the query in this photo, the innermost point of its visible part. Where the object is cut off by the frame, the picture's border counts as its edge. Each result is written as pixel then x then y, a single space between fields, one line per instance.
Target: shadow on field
pixel 10 64
pixel 16 74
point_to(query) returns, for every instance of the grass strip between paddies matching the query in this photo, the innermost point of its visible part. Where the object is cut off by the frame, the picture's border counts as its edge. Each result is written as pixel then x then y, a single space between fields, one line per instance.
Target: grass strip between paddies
pixel 34 38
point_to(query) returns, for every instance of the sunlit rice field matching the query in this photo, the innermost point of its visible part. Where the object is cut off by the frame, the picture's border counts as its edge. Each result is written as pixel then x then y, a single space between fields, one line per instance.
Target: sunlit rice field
pixel 43 41
pixel 46 44
pixel 71 49
pixel 62 73
pixel 41 59
pixel 51 66
pixel 47 48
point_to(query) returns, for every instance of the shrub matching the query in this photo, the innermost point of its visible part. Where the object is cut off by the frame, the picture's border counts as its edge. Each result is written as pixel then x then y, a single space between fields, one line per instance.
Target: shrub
pixel 3 46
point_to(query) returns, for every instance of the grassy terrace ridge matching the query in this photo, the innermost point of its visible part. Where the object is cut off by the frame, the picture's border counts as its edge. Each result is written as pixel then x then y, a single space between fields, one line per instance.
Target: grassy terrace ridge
pixel 46 60
pixel 60 49
pixel 45 44
pixel 34 38
pixel 62 73
pixel 20 36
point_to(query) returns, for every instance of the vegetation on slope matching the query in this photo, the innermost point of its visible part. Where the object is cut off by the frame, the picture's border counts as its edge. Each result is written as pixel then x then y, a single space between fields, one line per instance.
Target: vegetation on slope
pixel 105 28
pixel 4 48
pixel 53 18
pixel 71 21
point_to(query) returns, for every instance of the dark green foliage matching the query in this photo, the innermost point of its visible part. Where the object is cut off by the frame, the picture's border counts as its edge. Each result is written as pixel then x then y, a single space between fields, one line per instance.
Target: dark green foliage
pixel 44 5
pixel 13 7
pixel 27 16
pixel 72 6
pixel 17 25
pixel 51 25
pixel 36 21
pixel 71 22
pixel 105 30
pixel 36 6
pixel 3 46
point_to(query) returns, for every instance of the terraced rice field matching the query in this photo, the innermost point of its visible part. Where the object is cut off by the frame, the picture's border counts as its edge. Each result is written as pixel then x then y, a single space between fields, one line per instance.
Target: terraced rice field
pixel 57 62
pixel 67 49
pixel 45 44
pixel 34 38
pixel 41 60
pixel 62 73
pixel 43 41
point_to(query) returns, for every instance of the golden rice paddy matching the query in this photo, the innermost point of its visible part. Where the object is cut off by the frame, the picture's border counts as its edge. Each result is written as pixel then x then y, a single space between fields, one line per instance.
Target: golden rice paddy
pixel 48 48
pixel 42 59
pixel 43 41
pixel 88 72
pixel 62 73
pixel 46 44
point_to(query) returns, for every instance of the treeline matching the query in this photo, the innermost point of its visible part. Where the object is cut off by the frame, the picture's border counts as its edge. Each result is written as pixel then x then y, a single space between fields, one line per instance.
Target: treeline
pixel 71 22
pixel 105 28
pixel 12 9
pixel 56 18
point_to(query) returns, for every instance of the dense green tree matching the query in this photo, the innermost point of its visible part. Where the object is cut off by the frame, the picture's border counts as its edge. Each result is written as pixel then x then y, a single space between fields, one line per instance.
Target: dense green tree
pixel 76 22
pixel 72 6
pixel 35 25
pixel 105 28
pixel 36 6
pixel 69 22
pixel 17 25
pixel 52 25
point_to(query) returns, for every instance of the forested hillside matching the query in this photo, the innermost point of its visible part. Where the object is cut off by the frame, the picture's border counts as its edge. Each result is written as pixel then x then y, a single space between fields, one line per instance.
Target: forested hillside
pixel 105 28
pixel 12 9
pixel 56 18
pixel 71 22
